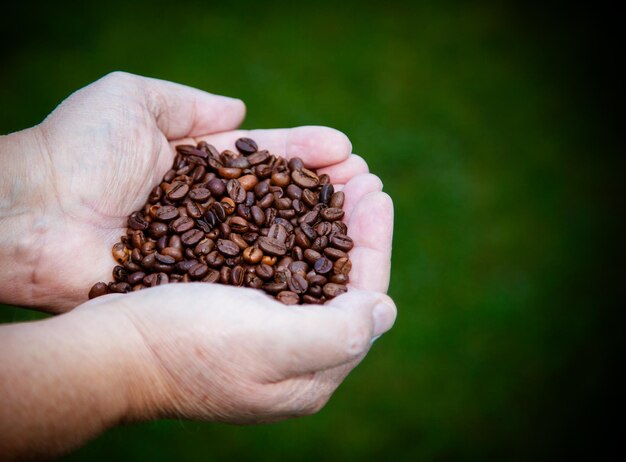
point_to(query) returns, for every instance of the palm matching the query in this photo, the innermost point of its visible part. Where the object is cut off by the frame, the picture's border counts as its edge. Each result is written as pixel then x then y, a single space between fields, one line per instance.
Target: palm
pixel 105 163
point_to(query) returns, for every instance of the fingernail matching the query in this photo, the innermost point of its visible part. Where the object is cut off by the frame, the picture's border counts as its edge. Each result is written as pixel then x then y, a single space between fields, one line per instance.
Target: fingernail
pixel 384 316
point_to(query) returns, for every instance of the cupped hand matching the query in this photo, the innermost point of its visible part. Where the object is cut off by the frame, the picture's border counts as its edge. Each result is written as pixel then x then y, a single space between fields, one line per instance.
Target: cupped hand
pixel 105 147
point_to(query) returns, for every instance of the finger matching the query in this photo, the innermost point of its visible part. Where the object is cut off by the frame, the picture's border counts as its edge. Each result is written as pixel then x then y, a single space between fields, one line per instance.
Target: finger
pixel 356 188
pixel 181 111
pixel 311 338
pixel 317 146
pixel 371 255
pixel 344 171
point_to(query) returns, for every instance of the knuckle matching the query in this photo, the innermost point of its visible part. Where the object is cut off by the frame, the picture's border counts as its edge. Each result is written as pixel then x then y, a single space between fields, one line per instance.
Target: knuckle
pixel 118 76
pixel 357 338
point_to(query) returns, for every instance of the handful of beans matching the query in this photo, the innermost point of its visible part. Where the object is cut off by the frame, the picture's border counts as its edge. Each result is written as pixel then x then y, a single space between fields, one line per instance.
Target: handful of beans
pixel 245 218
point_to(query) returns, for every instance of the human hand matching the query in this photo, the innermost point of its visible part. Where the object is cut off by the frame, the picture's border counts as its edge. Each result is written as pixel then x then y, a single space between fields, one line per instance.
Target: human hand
pixel 95 159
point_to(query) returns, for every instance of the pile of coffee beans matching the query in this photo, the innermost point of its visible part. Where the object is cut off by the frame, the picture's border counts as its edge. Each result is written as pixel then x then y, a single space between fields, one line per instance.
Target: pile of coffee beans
pixel 246 218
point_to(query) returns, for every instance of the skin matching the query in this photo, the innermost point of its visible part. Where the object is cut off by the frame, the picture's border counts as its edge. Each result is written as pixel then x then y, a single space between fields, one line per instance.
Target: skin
pixel 196 351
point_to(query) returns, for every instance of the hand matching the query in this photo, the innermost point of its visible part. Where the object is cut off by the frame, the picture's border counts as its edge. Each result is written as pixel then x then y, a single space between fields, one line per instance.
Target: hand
pixel 93 161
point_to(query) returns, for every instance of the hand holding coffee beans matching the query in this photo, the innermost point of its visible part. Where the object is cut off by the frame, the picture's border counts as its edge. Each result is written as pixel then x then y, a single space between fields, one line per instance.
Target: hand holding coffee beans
pixel 246 218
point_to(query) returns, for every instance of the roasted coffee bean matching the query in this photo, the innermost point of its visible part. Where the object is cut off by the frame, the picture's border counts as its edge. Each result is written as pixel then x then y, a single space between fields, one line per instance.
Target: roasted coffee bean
pixel 331 214
pixel 323 265
pixel 264 271
pixel 298 284
pixel 98 289
pixel 342 266
pixel 178 190
pixel 229 172
pixel 148 247
pixel 332 290
pixel 238 225
pixel 165 259
pixel 320 243
pixel 120 274
pixel 192 237
pixel 212 276
pixel 297 253
pixel 268 260
pixel 120 253
pixel 217 187
pixel 339 227
pixel 308 231
pixel 237 162
pixel 334 254
pixel 137 221
pixel 309 218
pixel 198 271
pixel 157 229
pixel 305 178
pixel 295 163
pixel 339 279
pixel 294 192
pixel 235 191
pixel 342 242
pixel 166 213
pixel 309 198
pixel 136 278
pixel 246 145
pixel 325 193
pixel 323 228
pixel 301 239
pixel 309 299
pixel 215 259
pixel 312 256
pixel 227 248
pixel 278 232
pixel 119 287
pixel 337 199
pixel 131 266
pixel 237 239
pixel 252 255
pixel 199 194
pixel 182 224
pixel 299 266
pixel 225 273
pixel 275 287
pixel 204 247
pixel 236 275
pixel 316 279
pixel 161 243
pixel 272 247
pixel 316 290
pixel 287 298
pixel 280 178
pixel 248 182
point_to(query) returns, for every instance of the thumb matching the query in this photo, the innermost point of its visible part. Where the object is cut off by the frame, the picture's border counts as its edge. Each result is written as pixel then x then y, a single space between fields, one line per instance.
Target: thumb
pixel 178 110
pixel 314 338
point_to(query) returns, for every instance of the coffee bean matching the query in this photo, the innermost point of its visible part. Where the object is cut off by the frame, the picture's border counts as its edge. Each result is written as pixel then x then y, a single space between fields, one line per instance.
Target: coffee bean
pixel 192 237
pixel 193 210
pixel 323 265
pixel 325 193
pixel 295 163
pixel 198 271
pixel 136 278
pixel 258 157
pixel 332 214
pixel 227 248
pixel 305 178
pixel 312 256
pixel 236 275
pixel 342 242
pixel 229 172
pixel 119 287
pixel 246 145
pixel 166 213
pixel 337 199
pixel 311 300
pixel 120 274
pixel 298 284
pixel 277 232
pixel 252 255
pixel 212 276
pixel 339 279
pixel 238 225
pixel 98 289
pixel 342 266
pixel 120 252
pixel 203 247
pixel 271 246
pixel 178 191
pixel 165 259
pixel 157 229
pixel 287 298
pixel 217 187
pixel 199 194
pixel 237 239
pixel 137 221
pixel 235 191
pixel 332 290
pixel 215 259
pixel 309 198
pixel 309 218
pixel 334 254
pixel 275 287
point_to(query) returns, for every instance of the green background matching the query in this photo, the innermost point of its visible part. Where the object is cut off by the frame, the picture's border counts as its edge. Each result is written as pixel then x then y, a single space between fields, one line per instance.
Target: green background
pixel 489 131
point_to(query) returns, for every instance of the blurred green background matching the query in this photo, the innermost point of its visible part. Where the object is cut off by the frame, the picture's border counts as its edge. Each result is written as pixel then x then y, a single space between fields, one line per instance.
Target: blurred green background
pixel 483 122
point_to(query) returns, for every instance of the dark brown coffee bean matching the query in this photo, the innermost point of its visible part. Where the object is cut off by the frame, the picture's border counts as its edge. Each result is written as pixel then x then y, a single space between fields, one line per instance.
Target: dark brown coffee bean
pixel 309 198
pixel 334 254
pixel 308 231
pixel 238 162
pixel 342 242
pixel 288 298
pixel 98 289
pixel 297 252
pixel 339 227
pixel 323 265
pixel 337 200
pixel 277 232
pixel 284 263
pixel 332 290
pixel 237 239
pixel 228 248
pixel 265 271
pixel 323 228
pixel 301 239
pixel 248 182
pixel 165 259
pixel 295 163
pixel 238 225
pixel 189 150
pixel 280 178
pixel 326 192
pixel 198 271
pixel 297 284
pixel 246 145
pixel 182 224
pixel 212 276
pixel 161 243
pixel 311 256
pixel 199 194
pixel 119 287
pixel 135 278
pixel 339 279
pixel 204 247
pixel 137 221
pixel 316 290
pixel 342 266
pixel 305 178
pixel 120 274
pixel 309 218
pixel 225 272
pixel 300 267
pixel 311 300
pixel 235 191
pixel 332 214
pixel 178 191
pixel 149 261
pixel 229 172
pixel 236 275
pixel 214 259
pixel 148 247
pixel 192 237
pixel 166 213
pixel 218 210
pixel 274 287
pixel 272 247
pixel 157 229
pixel 131 266
pixel 217 187
pixel 294 192
pixel 316 279
pixel 320 243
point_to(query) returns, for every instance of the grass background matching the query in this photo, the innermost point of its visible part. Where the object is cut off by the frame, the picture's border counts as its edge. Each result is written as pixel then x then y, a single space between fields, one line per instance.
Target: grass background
pixel 490 128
